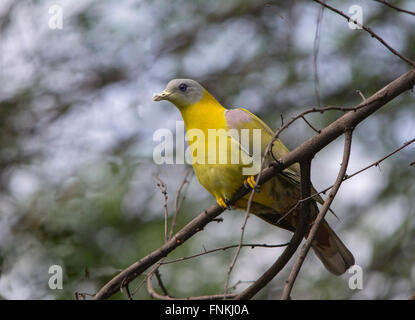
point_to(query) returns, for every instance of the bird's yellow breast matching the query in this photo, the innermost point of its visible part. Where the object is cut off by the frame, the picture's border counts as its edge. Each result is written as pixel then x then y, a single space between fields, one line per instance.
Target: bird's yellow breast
pixel 208 113
pixel 207 117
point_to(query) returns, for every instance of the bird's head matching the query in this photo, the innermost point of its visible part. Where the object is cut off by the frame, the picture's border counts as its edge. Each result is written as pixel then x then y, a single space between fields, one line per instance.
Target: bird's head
pixel 181 92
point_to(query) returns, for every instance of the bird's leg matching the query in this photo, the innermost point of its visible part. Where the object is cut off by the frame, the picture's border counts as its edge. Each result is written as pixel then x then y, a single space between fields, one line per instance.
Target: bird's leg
pixel 250 182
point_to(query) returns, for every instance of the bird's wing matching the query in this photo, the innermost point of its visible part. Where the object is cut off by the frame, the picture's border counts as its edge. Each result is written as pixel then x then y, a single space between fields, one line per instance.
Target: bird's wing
pixel 243 119
pixel 240 119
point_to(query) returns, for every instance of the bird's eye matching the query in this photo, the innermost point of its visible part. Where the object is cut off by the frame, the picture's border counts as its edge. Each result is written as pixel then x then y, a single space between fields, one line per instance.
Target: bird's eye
pixel 183 87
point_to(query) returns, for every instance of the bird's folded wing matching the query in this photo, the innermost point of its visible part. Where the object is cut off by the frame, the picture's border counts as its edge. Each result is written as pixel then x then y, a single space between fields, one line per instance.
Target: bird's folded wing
pixel 243 119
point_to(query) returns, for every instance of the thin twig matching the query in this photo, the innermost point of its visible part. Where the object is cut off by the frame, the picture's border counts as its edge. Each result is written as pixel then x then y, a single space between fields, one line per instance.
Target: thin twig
pixel 319 219
pixel 313 110
pixel 238 283
pixel 376 163
pixel 153 292
pixel 361 95
pixel 395 7
pixel 367 29
pixel 241 239
pixel 252 245
pixel 310 125
pixel 177 203
pixel 163 188
pixel 127 290
pixel 160 282
pixel 151 272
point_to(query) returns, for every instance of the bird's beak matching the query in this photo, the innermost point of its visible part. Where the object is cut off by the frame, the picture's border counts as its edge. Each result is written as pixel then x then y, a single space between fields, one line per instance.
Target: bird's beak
pixel 161 96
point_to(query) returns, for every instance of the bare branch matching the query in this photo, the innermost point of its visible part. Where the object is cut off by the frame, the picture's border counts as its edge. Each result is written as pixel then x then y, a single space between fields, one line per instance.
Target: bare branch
pixel 313 110
pixel 153 292
pixel 127 290
pixel 361 95
pixel 163 189
pixel 296 239
pixel 319 219
pixel 252 245
pixel 310 125
pixel 160 282
pixel 156 295
pixel 395 7
pixel 367 29
pixel 125 282
pixel 240 282
pixel 376 163
pixel 236 255
pixel 177 203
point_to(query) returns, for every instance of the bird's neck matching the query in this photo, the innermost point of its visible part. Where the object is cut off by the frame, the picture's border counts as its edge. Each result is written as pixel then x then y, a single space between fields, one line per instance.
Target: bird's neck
pixel 208 113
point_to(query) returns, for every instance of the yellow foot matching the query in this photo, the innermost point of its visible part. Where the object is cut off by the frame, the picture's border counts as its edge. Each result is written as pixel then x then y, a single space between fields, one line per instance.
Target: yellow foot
pixel 250 181
pixel 222 203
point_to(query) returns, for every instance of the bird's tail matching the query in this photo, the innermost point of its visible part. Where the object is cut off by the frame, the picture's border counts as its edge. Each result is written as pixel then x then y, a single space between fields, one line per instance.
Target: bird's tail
pixel 331 251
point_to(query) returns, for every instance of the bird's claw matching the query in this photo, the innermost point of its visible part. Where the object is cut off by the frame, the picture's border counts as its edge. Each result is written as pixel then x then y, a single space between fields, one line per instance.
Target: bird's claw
pixel 250 183
pixel 223 203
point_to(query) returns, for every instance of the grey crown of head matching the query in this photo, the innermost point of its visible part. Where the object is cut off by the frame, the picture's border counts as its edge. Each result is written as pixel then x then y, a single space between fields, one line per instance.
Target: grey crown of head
pixel 181 92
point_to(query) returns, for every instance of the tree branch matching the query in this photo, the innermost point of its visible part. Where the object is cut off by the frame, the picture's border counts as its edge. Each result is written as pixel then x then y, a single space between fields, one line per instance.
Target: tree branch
pixel 177 203
pixel 163 189
pixel 395 7
pixel 367 29
pixel 300 230
pixel 319 219
pixel 251 245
